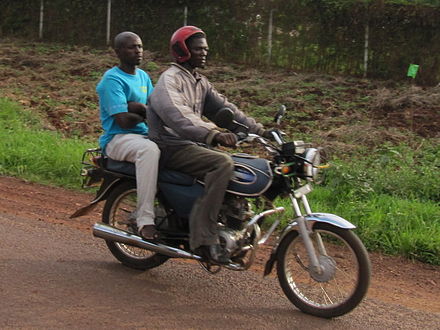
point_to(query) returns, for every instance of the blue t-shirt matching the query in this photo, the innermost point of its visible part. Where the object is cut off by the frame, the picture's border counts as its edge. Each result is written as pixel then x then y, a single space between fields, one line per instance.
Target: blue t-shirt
pixel 115 90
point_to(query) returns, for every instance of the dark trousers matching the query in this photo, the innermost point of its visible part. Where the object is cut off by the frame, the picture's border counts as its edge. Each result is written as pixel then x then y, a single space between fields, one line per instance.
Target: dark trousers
pixel 215 169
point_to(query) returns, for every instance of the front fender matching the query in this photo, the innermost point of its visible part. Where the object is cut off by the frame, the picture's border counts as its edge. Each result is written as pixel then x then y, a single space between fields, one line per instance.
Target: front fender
pixel 331 219
pixel 311 219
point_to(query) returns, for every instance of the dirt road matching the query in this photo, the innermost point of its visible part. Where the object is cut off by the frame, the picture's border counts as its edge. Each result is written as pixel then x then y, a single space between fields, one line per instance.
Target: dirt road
pixel 54 274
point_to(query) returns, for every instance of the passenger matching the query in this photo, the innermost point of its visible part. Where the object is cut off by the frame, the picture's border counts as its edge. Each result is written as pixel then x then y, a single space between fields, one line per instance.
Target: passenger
pixel 180 99
pixel 123 92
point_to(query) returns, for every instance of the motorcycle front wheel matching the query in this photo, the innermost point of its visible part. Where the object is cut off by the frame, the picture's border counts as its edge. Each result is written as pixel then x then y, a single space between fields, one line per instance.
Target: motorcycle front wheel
pixel 344 277
pixel 120 212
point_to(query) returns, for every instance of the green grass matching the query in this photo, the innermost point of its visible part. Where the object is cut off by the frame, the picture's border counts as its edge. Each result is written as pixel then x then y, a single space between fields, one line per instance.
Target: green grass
pixel 29 152
pixel 391 195
pixel 391 224
pixel 397 171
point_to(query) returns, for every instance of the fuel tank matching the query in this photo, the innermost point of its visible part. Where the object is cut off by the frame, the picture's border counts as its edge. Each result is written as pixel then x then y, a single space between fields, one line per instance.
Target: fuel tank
pixel 252 175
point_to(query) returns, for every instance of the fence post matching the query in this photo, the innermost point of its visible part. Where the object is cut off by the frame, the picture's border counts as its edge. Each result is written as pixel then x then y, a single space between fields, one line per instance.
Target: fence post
pixel 40 32
pixel 367 36
pixel 109 11
pixel 269 37
pixel 185 15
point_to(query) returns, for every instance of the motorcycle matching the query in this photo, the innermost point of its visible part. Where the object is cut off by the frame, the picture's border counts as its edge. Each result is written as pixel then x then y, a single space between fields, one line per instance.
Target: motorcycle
pixel 322 266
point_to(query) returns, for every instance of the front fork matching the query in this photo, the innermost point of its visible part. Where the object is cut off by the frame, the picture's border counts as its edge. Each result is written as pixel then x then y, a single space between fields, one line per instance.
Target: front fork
pixel 305 232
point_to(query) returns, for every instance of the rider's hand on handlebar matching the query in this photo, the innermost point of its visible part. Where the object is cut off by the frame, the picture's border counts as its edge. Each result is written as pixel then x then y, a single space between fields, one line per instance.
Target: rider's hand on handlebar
pixel 226 139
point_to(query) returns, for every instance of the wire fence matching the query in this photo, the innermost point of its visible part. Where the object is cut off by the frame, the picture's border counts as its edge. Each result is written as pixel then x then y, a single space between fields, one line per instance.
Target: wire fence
pixel 297 35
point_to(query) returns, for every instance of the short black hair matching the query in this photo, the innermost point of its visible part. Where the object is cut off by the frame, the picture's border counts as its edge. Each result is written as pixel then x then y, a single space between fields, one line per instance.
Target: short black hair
pixel 122 37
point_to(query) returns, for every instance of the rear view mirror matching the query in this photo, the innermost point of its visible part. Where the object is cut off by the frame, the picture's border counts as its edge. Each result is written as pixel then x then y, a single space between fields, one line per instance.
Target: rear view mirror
pixel 280 114
pixel 224 118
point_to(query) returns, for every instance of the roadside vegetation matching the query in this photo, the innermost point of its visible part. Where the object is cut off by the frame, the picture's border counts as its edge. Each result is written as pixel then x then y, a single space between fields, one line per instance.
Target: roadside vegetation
pixel 381 138
pixel 32 153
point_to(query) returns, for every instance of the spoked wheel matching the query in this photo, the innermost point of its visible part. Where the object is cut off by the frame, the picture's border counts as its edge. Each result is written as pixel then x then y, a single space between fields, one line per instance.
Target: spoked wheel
pixel 120 212
pixel 344 277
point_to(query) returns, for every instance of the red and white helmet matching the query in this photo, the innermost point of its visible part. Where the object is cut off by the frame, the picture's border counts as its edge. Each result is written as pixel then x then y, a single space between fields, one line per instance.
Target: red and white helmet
pixel 179 50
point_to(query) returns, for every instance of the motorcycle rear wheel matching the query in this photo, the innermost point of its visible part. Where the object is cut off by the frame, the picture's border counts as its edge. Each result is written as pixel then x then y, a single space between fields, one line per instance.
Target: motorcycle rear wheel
pixel 120 212
pixel 344 281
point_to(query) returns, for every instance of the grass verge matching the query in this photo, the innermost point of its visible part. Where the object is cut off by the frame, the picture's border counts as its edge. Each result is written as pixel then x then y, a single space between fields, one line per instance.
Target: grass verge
pixel 29 152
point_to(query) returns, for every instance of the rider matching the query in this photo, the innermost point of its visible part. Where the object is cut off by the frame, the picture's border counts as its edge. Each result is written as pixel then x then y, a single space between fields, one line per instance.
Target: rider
pixel 180 99
pixel 123 92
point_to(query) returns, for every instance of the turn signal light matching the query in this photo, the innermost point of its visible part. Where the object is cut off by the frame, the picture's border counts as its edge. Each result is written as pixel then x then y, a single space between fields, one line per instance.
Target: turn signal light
pixel 285 169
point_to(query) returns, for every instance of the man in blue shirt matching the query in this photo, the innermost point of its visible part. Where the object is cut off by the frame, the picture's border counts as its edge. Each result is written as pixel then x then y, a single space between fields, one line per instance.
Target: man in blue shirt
pixel 123 92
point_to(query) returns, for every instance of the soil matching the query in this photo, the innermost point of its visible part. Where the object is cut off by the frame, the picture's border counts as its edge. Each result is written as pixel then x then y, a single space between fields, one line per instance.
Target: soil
pixel 58 82
pixel 394 280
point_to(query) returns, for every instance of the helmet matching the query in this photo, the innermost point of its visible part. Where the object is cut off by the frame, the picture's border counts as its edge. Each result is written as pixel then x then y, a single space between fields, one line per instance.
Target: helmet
pixel 177 44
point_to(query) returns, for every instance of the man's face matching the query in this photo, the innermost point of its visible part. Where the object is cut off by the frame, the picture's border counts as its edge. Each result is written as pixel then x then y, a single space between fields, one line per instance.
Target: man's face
pixel 131 51
pixel 198 47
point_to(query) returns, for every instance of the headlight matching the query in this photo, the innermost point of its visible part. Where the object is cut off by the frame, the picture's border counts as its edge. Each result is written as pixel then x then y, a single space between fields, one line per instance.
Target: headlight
pixel 312 164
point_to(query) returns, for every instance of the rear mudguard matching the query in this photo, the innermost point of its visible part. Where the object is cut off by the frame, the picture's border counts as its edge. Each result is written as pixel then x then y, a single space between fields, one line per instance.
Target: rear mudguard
pixel 311 219
pixel 109 182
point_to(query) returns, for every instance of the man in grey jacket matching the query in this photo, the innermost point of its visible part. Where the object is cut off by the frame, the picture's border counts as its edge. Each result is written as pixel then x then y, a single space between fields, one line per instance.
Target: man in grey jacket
pixel 180 99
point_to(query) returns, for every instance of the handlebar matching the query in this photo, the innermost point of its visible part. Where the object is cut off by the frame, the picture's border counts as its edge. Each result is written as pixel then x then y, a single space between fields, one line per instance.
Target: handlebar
pixel 250 137
pixel 243 138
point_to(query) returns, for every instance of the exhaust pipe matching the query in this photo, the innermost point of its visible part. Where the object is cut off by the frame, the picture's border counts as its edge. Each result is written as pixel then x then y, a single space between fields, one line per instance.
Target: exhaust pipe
pixel 113 234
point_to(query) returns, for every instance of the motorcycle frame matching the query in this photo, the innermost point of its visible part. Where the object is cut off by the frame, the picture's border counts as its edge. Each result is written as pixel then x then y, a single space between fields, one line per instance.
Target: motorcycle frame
pixel 302 223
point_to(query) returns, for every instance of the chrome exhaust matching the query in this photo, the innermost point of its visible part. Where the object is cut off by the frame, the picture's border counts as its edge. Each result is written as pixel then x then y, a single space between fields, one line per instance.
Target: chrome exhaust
pixel 113 234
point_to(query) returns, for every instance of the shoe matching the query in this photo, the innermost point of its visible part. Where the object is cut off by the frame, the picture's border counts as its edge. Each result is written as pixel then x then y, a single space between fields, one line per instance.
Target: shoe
pixel 148 232
pixel 214 253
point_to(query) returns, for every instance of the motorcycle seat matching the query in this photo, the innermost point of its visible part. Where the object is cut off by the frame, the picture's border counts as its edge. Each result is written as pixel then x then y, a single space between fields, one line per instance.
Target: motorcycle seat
pixel 165 175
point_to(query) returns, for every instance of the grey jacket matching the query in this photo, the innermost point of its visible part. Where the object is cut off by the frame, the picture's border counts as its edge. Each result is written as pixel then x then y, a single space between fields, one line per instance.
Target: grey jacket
pixel 177 104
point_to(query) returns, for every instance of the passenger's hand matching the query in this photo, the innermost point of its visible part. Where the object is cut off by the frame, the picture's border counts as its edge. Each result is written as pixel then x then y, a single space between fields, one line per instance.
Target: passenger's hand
pixel 226 139
pixel 138 108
